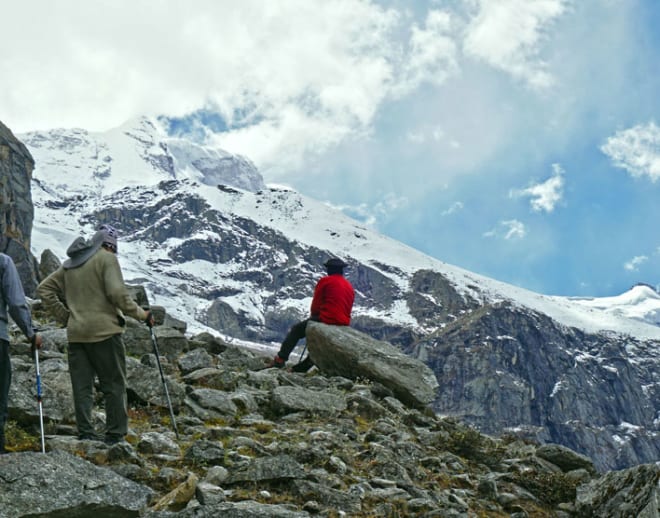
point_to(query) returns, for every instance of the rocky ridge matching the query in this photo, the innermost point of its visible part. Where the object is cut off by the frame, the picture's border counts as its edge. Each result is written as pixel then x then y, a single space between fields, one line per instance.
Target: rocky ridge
pixel 269 442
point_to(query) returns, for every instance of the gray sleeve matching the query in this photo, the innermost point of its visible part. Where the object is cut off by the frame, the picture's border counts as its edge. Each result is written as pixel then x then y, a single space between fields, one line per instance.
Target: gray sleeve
pixel 14 297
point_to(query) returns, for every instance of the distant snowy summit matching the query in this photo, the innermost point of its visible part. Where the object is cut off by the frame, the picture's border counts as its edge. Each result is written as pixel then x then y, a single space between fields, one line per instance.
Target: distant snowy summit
pixel 641 302
pixel 137 153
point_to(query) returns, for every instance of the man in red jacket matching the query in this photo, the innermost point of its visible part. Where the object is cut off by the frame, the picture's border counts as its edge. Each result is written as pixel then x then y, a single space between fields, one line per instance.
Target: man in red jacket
pixel 332 304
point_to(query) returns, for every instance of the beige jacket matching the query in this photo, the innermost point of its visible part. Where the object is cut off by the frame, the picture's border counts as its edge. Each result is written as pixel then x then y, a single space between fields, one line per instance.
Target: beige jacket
pixel 90 299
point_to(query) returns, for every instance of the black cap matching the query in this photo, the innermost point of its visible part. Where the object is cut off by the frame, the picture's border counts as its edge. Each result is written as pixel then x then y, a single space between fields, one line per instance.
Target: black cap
pixel 335 262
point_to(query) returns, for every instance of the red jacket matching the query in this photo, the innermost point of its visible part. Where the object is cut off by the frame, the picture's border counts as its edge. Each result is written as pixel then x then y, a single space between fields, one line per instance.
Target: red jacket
pixel 333 300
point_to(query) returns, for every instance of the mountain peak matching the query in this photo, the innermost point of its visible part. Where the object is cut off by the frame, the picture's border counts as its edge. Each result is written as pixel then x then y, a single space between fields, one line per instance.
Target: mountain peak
pixel 641 302
pixel 137 153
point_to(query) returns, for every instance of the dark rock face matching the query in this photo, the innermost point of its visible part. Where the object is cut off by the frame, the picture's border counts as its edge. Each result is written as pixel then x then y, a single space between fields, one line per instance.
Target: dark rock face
pixel 16 210
pixel 502 368
pixel 433 300
pixel 631 492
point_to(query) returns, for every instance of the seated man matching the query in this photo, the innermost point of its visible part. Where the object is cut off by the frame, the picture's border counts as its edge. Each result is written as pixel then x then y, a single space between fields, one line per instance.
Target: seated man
pixel 332 304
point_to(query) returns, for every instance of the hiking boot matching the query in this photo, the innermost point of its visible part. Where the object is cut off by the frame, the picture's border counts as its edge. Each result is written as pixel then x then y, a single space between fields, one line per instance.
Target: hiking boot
pixel 113 439
pixel 303 366
pixel 88 437
pixel 277 362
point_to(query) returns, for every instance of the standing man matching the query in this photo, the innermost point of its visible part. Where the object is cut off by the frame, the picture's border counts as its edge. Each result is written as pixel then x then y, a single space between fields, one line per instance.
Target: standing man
pixel 14 305
pixel 88 294
pixel 332 304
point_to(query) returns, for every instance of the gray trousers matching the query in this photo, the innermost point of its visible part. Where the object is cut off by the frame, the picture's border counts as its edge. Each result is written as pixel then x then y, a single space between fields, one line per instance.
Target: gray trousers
pixel 106 360
pixel 5 381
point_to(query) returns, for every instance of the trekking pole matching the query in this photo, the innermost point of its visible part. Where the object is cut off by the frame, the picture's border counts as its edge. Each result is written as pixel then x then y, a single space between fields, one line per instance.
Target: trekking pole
pixel 162 377
pixel 302 354
pixel 41 412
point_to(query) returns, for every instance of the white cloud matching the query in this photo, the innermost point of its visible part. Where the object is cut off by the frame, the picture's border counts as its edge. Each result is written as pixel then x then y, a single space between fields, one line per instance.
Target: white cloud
pixel 637 150
pixel 433 134
pixel 634 264
pixel 432 53
pixel 546 195
pixel 508 229
pixel 455 207
pixel 507 34
pixel 375 214
pixel 305 74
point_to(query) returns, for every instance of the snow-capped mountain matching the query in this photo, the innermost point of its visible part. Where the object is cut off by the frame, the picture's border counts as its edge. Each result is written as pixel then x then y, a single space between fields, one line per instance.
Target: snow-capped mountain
pixel 641 302
pixel 79 173
pixel 223 251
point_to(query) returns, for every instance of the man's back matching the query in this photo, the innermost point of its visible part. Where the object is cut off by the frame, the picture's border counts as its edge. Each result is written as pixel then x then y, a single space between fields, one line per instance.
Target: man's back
pixel 333 300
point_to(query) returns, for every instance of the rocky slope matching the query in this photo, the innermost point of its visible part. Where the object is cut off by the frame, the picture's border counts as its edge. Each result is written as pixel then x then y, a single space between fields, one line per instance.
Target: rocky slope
pixel 277 444
pixel 240 259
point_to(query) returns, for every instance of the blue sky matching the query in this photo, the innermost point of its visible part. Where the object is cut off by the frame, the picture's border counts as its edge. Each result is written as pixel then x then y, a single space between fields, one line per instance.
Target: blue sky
pixel 519 139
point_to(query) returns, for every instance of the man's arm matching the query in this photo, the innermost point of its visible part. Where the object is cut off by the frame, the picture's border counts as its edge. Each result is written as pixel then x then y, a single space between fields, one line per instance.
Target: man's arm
pixel 51 293
pixel 317 300
pixel 116 291
pixel 15 298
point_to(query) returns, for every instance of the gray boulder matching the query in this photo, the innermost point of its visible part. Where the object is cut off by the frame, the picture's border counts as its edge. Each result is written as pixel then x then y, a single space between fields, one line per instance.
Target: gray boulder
pixel 244 509
pixel 194 360
pixel 144 385
pixel 342 351
pixel 49 263
pixel 564 458
pixel 61 484
pixel 215 400
pixel 280 467
pixel 298 399
pixel 137 338
pixel 57 394
pixel 619 494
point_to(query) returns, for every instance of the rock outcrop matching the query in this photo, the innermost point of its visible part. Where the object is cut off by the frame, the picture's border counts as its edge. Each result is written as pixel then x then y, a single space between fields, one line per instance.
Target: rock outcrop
pixel 342 351
pixel 16 210
pixel 631 492
pixel 508 370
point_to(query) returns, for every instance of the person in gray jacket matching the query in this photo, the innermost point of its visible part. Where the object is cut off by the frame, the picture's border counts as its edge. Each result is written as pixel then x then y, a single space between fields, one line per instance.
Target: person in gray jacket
pixel 13 304
pixel 87 294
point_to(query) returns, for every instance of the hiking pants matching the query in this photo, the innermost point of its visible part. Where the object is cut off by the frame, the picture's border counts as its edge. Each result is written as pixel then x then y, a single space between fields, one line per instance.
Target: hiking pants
pixel 296 333
pixel 5 381
pixel 106 359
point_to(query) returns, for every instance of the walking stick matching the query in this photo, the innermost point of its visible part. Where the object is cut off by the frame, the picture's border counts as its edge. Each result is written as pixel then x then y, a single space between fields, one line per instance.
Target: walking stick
pixel 41 412
pixel 302 354
pixel 162 377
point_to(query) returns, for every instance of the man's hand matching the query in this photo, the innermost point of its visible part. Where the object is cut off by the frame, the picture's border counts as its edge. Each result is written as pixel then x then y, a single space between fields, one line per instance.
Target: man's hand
pixel 35 342
pixel 150 319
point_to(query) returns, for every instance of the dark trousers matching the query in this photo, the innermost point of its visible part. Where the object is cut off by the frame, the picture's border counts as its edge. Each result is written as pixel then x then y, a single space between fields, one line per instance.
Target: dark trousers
pixel 5 381
pixel 296 333
pixel 107 360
